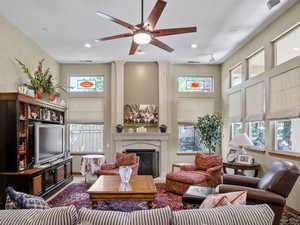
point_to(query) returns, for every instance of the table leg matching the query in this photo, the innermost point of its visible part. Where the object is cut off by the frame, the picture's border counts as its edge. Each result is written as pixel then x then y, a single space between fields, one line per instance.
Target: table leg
pixel 150 204
pixel 224 169
pixel 256 173
pixel 94 203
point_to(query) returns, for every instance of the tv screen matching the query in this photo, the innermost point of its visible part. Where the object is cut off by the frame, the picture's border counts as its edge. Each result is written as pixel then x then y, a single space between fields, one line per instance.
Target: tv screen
pixel 50 141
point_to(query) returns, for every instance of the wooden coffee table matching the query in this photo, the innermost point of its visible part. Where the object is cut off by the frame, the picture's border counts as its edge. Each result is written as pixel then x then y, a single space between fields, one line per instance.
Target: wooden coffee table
pixel 109 188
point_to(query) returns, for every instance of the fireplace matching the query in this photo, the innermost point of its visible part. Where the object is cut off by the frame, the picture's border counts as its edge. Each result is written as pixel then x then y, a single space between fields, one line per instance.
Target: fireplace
pixel 149 161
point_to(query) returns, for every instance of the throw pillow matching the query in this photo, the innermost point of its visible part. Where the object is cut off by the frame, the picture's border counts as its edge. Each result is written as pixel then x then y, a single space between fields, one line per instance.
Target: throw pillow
pixel 216 200
pixel 228 215
pixel 57 216
pixel 151 217
pixel 21 200
pixel 125 159
pixel 205 161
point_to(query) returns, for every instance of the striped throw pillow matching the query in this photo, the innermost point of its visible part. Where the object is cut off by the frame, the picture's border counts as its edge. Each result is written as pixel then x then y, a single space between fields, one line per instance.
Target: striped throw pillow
pixel 228 215
pixel 54 216
pixel 143 217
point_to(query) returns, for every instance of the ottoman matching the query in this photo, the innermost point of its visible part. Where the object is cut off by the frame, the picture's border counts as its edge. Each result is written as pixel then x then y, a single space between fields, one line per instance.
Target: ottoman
pixel 180 181
pixel 195 195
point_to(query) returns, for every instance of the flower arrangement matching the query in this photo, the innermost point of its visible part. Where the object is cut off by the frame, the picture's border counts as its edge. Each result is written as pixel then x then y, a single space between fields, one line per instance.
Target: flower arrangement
pixel 210 127
pixel 40 81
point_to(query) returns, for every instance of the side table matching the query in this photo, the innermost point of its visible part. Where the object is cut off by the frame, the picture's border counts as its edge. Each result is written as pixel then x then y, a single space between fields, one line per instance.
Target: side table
pixel 241 167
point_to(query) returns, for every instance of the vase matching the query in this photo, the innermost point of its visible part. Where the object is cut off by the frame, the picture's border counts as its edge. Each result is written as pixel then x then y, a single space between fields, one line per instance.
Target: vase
pixel 119 128
pixel 163 128
pixel 38 94
pixel 52 97
pixel 125 173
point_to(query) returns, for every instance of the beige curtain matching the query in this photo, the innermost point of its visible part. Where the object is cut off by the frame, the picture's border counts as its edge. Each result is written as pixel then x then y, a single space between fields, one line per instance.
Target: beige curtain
pixel 255 102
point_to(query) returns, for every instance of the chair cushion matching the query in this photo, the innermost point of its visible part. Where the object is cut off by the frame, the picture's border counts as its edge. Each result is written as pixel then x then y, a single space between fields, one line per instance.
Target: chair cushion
pixel 188 177
pixel 108 172
pixel 216 200
pixel 125 159
pixel 205 161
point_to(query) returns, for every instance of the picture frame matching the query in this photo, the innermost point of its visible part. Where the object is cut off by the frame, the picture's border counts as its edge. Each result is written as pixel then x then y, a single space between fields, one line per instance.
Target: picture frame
pixel 232 155
pixel 245 159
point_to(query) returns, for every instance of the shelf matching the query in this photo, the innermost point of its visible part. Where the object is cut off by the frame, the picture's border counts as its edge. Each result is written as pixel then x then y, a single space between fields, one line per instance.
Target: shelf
pixel 45 121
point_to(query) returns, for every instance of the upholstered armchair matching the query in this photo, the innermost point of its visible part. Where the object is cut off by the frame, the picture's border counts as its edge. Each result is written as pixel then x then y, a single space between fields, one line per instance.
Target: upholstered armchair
pixel 272 189
pixel 131 160
pixel 205 171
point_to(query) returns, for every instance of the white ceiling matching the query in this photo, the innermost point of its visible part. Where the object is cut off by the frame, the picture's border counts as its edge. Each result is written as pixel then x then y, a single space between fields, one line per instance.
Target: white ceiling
pixel 62 27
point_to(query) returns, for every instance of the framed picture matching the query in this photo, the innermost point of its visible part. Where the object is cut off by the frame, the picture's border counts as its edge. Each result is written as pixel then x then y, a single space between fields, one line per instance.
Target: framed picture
pixel 232 155
pixel 245 159
pixel 137 115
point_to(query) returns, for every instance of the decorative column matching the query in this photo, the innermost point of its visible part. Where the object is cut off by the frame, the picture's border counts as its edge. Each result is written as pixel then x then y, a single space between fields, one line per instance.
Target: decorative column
pixel 163 71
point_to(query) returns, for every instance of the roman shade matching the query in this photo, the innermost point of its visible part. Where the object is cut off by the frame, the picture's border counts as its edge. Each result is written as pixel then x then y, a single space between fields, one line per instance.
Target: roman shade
pixel 235 107
pixel 189 109
pixel 86 110
pixel 255 102
pixel 285 95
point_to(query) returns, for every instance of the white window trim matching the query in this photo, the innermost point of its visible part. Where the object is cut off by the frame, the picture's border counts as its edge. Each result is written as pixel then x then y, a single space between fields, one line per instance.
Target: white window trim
pixel 255 53
pixel 230 74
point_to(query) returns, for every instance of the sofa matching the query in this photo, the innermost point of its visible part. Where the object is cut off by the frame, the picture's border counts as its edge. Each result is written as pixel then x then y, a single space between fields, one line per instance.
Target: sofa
pixel 229 215
pixel 272 189
pixel 131 160
pixel 205 171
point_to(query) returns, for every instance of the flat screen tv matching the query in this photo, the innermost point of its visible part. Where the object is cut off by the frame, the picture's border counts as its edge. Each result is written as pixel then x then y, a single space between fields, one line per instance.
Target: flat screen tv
pixel 49 142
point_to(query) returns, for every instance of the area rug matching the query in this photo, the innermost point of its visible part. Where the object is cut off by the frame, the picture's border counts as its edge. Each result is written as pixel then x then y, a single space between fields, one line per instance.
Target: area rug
pixel 75 194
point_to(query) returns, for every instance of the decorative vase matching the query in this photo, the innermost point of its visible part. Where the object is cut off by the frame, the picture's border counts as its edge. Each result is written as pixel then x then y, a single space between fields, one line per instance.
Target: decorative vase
pixel 119 128
pixel 125 173
pixel 163 128
pixel 52 97
pixel 38 94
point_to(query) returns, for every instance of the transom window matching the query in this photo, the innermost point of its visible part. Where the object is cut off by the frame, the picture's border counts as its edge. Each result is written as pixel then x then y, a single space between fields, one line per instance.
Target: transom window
pixel 195 84
pixel 86 84
pixel 288 46
pixel 236 128
pixel 257 133
pixel 189 139
pixel 256 64
pixel 236 76
pixel 86 138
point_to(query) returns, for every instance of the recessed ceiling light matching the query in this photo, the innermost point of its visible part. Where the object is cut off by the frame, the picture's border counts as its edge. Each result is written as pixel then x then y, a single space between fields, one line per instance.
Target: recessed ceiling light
pixel 296 49
pixel 87 45
pixel 194 46
pixel 45 29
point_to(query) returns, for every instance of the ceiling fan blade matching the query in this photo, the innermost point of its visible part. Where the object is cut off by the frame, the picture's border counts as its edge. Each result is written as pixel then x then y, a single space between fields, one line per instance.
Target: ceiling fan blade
pixel 155 14
pixel 173 31
pixel 122 23
pixel 116 37
pixel 162 45
pixel 133 48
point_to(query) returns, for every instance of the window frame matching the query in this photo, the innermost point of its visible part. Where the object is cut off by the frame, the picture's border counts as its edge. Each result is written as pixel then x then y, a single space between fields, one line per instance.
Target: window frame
pixel 276 139
pixel 231 128
pixel 257 52
pixel 86 94
pixel 230 74
pixel 69 138
pixel 196 92
pixel 265 134
pixel 280 37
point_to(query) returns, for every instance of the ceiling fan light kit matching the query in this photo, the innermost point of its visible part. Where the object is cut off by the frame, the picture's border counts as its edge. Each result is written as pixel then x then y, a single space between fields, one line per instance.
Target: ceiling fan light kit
pixel 145 33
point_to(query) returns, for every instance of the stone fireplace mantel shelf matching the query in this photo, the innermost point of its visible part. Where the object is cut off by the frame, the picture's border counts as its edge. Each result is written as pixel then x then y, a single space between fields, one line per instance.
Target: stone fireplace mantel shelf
pixel 141 136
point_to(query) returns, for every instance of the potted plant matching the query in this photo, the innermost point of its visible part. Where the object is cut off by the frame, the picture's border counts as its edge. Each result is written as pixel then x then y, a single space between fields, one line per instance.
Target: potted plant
pixel 210 127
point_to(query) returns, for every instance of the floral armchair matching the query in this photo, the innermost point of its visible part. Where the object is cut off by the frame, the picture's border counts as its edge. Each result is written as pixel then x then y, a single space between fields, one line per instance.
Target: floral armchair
pixel 205 171
pixel 131 160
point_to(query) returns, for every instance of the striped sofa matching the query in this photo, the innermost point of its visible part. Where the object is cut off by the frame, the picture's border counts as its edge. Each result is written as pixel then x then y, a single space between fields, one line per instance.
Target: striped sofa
pixel 229 215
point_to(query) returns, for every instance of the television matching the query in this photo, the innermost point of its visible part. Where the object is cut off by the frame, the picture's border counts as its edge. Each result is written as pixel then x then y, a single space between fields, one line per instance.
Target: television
pixel 49 142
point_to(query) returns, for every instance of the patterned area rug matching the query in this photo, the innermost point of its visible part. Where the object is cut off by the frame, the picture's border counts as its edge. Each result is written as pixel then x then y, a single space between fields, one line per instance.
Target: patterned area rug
pixel 75 194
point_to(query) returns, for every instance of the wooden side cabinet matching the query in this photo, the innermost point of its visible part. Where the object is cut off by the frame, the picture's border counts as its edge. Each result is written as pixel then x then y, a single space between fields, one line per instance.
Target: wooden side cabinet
pixel 37 185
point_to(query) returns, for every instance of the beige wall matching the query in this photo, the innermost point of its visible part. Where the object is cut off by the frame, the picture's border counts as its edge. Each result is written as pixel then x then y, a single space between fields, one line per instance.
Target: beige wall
pixel 173 96
pixel 15 44
pixel 141 83
pixel 263 39
pixel 91 69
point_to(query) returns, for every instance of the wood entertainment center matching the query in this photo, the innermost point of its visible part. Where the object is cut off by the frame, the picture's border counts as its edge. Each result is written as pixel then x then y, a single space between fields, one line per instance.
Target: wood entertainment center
pixel 18 114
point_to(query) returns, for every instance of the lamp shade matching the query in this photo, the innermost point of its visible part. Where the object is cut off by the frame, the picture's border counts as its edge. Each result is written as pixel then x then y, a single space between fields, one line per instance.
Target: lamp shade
pixel 241 140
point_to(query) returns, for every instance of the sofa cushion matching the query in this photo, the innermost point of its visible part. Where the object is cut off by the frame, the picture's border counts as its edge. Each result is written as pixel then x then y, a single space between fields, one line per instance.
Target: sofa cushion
pixel 216 200
pixel 24 201
pixel 228 215
pixel 54 216
pixel 144 217
pixel 188 177
pixel 205 161
pixel 125 159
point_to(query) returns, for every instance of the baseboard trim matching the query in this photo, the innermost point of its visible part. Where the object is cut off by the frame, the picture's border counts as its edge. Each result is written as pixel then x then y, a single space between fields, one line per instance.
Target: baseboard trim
pixel 293 210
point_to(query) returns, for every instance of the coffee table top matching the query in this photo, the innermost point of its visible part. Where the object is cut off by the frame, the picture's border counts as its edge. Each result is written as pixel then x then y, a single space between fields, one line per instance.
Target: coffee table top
pixel 111 185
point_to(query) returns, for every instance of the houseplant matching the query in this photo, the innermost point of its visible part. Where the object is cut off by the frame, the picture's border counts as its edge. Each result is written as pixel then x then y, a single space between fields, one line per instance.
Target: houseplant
pixel 210 127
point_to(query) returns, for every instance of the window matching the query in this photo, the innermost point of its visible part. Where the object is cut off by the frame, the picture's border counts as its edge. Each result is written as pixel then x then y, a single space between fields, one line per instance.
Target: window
pixel 236 128
pixel 288 46
pixel 257 133
pixel 195 84
pixel 86 84
pixel 189 139
pixel 256 64
pixel 236 76
pixel 86 138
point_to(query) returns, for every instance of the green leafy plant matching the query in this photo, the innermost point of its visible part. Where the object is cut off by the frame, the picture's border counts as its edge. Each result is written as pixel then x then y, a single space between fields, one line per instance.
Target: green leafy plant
pixel 210 127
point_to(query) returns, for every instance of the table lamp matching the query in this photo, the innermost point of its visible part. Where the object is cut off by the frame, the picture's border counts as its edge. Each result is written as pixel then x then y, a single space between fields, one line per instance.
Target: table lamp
pixel 240 141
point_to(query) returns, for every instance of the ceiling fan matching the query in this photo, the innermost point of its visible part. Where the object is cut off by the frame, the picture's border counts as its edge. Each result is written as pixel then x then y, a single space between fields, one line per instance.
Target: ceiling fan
pixel 145 32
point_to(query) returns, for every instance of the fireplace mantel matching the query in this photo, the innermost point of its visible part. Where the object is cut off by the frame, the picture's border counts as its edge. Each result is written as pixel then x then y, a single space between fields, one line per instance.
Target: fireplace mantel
pixel 141 136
